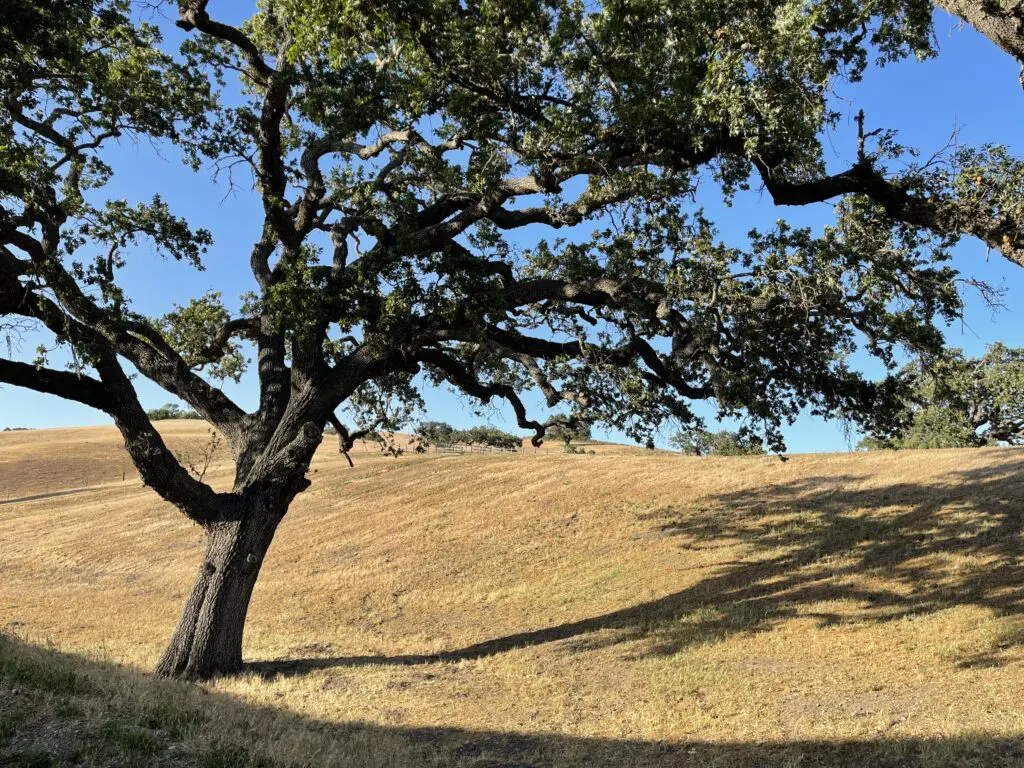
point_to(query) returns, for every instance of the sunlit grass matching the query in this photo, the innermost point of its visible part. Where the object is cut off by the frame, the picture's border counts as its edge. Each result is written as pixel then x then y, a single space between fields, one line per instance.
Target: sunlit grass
pixel 623 598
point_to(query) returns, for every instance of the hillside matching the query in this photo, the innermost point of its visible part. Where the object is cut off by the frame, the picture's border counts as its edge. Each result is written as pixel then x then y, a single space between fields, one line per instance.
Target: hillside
pixel 625 608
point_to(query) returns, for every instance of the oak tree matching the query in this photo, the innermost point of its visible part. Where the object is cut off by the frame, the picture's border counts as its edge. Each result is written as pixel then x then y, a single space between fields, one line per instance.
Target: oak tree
pixel 955 401
pixel 497 195
pixel 698 441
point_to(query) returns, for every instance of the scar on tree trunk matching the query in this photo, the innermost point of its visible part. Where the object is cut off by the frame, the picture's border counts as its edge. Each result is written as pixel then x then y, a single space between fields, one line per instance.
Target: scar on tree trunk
pixel 208 638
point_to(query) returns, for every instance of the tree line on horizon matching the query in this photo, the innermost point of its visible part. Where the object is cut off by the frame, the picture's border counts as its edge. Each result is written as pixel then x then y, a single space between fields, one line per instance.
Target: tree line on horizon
pixel 952 401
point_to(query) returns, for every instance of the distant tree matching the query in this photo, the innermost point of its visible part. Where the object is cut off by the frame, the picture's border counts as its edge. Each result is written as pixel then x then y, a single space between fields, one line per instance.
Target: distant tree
pixel 445 435
pixel 693 441
pixel 701 442
pixel 489 436
pixel 438 433
pixel 171 411
pixel 961 402
pixel 567 433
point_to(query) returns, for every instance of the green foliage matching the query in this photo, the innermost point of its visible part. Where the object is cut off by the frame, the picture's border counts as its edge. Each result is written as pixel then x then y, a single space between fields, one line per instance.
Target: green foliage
pixel 566 433
pixel 191 330
pixel 653 65
pixel 701 442
pixel 385 404
pixel 973 183
pixel 171 411
pixel 648 75
pixel 929 427
pixel 489 436
pixel 444 435
pixel 87 73
pixel 438 433
pixel 959 402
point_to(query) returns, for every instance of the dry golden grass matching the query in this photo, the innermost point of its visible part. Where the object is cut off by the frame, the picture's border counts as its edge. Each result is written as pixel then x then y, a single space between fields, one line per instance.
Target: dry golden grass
pixel 627 608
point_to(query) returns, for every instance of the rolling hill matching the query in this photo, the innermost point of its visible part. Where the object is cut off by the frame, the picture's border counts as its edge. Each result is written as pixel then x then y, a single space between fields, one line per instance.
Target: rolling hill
pixel 624 608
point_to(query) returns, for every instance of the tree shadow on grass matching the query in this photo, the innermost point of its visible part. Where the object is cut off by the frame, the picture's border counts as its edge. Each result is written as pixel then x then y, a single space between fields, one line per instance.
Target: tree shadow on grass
pixel 809 541
pixel 59 709
pixel 50 495
pixel 933 546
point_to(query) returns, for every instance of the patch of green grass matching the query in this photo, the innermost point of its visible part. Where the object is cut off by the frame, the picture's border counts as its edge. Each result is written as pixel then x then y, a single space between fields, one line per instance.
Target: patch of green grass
pixel 67 709
pixel 132 739
pixel 40 676
pixel 176 721
pixel 29 758
pixel 221 756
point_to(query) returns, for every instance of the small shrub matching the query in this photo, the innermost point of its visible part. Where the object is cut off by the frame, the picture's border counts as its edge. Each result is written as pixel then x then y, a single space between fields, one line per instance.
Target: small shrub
pixel 171 411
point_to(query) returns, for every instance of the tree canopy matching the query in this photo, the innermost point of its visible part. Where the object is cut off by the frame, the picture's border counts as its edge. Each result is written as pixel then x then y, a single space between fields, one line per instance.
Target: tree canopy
pixel 444 435
pixel 401 152
pixel 578 431
pixel 962 402
pixel 170 411
pixel 697 441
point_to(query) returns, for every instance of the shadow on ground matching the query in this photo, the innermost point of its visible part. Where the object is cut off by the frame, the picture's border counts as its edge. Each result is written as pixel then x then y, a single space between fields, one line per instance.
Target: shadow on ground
pixel 50 495
pixel 831 535
pixel 59 709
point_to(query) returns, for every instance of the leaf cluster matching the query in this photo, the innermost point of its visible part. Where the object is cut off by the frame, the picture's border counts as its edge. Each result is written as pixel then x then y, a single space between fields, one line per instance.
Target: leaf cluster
pixel 697 441
pixel 442 434
pixel 955 401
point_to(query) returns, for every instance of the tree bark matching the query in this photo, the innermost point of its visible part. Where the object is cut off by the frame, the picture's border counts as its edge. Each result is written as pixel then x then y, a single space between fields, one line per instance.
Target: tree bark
pixel 208 639
pixel 1001 22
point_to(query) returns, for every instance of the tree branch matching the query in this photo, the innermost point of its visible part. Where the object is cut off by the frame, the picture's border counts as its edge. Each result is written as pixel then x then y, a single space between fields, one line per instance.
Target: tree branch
pixel 460 376
pixel 247 327
pixel 1003 26
pixel 193 15
pixel 70 386
pixel 346 439
pixel 1000 233
pixel 113 395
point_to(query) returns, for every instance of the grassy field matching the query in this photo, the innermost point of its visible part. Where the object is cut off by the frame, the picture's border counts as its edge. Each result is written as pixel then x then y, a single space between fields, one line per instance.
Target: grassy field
pixel 623 609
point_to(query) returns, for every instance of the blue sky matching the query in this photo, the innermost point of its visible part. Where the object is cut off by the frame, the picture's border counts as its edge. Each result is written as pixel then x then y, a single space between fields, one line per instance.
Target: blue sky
pixel 971 87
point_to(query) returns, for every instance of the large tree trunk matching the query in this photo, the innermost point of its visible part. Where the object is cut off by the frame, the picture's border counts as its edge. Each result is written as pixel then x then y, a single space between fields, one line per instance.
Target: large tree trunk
pixel 1001 21
pixel 208 639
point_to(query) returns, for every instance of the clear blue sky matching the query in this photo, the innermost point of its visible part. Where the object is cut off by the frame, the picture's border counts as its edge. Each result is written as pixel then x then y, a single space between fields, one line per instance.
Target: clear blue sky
pixel 972 87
